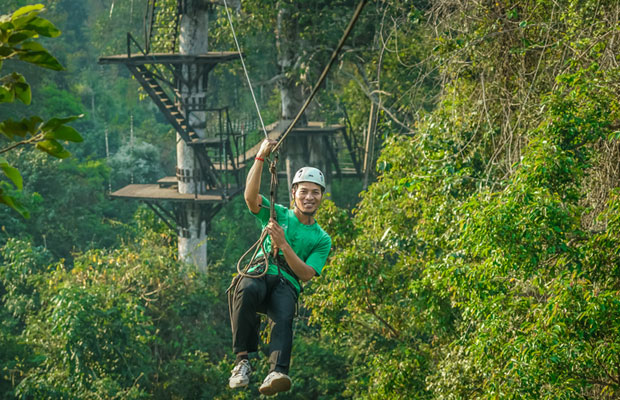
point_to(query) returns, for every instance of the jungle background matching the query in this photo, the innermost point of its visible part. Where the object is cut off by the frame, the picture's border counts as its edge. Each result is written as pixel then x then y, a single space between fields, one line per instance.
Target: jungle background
pixel 481 262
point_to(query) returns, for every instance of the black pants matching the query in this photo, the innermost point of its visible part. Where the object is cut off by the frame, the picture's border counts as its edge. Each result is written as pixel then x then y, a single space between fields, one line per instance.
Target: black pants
pixel 271 295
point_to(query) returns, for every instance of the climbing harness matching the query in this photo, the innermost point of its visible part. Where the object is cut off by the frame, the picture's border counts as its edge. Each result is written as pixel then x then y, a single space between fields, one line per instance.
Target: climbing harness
pixel 259 244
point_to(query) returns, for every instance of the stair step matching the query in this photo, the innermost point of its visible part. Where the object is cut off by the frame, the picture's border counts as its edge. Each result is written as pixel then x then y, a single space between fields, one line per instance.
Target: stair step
pixel 207 141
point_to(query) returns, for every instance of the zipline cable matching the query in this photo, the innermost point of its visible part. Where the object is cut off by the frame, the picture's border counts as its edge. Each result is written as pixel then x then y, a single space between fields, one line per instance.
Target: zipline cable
pixel 247 77
pixel 335 53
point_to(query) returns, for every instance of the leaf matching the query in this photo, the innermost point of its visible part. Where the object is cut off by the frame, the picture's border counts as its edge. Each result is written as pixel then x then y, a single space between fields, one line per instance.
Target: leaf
pixel 522 24
pixel 14 204
pixel 17 86
pixel 27 9
pixel 22 91
pixel 614 135
pixel 6 96
pixel 56 122
pixel 34 53
pixel 11 128
pixel 7 51
pixel 64 132
pixel 20 36
pixel 43 27
pixel 53 148
pixel 12 173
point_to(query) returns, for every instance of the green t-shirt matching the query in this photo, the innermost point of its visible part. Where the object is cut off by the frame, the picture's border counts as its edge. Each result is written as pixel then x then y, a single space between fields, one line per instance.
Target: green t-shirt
pixel 310 242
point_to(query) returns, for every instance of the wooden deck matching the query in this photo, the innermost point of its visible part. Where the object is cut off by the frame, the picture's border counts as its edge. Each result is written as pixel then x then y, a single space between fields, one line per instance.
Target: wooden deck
pixel 170 58
pixel 275 130
pixel 167 191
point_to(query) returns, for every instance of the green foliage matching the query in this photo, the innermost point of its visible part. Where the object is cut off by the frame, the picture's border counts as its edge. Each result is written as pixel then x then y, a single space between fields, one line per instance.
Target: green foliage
pixel 136 163
pixel 469 270
pixel 129 323
pixel 17 34
pixel 20 274
pixel 68 208
pixel 22 267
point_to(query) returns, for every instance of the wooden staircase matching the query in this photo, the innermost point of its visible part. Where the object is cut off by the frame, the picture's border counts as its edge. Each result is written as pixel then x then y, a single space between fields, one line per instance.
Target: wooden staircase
pixel 176 118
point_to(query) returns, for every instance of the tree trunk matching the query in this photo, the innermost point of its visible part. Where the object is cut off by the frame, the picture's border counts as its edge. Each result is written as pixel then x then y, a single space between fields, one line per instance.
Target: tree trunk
pixel 299 150
pixel 193 39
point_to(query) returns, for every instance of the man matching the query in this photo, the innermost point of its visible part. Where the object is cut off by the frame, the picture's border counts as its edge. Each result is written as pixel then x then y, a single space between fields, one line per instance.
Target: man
pixel 303 247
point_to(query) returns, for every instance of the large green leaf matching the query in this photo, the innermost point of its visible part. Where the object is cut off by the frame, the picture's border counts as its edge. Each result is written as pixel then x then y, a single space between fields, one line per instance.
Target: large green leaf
pixel 6 96
pixel 52 147
pixel 22 92
pixel 5 25
pixel 12 173
pixel 7 52
pixel 34 53
pixel 43 27
pixel 56 122
pixel 12 202
pixel 20 36
pixel 17 86
pixel 11 128
pixel 64 132
pixel 27 9
pixel 21 22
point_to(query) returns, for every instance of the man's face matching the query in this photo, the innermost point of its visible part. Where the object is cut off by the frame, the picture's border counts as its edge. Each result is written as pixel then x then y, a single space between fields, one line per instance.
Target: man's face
pixel 307 197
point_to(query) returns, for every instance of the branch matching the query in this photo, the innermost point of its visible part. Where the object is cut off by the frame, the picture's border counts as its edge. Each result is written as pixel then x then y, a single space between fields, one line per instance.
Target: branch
pixel 372 310
pixel 34 139
pixel 373 98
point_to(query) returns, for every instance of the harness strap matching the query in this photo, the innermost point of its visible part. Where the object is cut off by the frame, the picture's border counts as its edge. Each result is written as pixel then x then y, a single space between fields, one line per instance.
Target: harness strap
pixel 282 265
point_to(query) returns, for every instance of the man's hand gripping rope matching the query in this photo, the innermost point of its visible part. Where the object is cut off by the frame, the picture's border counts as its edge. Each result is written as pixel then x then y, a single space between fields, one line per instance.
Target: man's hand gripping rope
pixel 273 228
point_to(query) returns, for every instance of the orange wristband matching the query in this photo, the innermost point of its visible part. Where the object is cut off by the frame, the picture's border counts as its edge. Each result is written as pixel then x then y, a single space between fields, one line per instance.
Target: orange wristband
pixel 259 159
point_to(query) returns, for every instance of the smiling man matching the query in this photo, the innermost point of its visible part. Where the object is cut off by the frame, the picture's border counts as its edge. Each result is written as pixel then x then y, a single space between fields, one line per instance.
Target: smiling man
pixel 303 247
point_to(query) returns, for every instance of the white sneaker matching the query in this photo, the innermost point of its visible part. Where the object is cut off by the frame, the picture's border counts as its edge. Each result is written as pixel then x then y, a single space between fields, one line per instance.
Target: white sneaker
pixel 274 383
pixel 240 375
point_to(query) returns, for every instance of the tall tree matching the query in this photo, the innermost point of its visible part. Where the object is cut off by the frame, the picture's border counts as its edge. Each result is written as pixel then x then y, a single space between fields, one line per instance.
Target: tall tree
pixel 193 40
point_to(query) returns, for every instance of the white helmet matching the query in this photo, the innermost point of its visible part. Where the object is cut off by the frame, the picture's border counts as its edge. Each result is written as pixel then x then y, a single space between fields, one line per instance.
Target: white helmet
pixel 310 174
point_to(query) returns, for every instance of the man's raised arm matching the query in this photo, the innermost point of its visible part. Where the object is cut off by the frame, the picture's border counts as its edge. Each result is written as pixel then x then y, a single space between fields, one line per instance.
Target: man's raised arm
pixel 252 181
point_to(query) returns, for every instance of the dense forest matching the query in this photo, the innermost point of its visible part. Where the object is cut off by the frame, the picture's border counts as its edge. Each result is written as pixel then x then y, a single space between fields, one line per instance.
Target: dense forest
pixel 482 260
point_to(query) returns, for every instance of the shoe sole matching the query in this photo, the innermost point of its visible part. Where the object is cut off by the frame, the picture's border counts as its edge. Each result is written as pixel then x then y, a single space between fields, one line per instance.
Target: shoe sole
pixel 236 385
pixel 276 386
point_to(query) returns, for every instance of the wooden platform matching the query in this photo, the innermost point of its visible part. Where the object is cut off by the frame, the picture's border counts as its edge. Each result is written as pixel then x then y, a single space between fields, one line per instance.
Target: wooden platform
pixel 168 192
pixel 275 130
pixel 346 172
pixel 170 58
pixel 317 128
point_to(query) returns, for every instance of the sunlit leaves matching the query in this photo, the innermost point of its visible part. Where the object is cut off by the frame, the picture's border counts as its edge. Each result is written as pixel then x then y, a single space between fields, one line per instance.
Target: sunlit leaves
pixel 18 34
pixel 34 53
pixel 11 173
pixel 14 86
